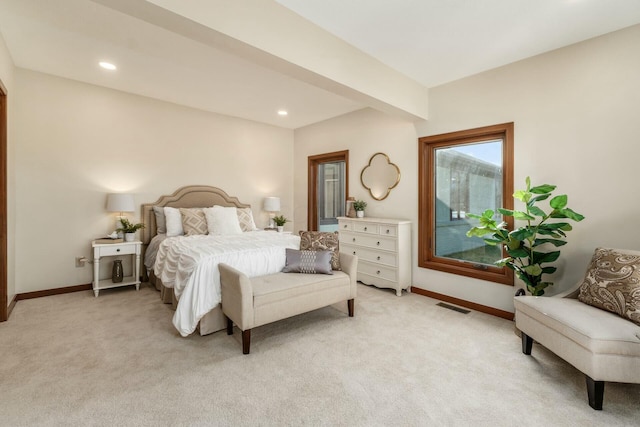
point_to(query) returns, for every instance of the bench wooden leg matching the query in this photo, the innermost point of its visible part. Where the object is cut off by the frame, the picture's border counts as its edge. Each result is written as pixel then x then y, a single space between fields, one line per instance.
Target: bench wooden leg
pixel 350 306
pixel 527 343
pixel 595 392
pixel 246 341
pixel 229 326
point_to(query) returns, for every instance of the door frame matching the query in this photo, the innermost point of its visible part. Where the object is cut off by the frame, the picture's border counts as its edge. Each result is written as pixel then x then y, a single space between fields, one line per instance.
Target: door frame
pixel 312 192
pixel 4 309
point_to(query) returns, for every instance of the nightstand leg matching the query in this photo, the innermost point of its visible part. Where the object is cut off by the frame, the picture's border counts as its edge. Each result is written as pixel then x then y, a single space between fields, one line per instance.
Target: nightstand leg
pixel 137 271
pixel 96 275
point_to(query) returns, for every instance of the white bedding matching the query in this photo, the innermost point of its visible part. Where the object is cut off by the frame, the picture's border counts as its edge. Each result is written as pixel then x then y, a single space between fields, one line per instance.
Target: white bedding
pixel 190 266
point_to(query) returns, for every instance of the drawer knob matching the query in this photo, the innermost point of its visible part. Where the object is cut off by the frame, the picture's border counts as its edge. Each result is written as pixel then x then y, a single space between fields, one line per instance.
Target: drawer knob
pixel 387 231
pixel 378 272
pixel 365 229
pixel 354 252
pixel 344 226
pixel 118 250
pixel 378 258
pixel 354 239
pixel 378 243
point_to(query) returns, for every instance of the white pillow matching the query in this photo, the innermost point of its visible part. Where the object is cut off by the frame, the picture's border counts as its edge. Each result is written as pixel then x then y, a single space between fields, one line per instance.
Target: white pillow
pixel 173 220
pixel 222 220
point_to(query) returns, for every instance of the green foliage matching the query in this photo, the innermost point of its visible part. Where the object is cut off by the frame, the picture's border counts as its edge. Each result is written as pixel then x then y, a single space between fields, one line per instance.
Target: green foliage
pixel 280 220
pixel 527 250
pixel 128 227
pixel 359 205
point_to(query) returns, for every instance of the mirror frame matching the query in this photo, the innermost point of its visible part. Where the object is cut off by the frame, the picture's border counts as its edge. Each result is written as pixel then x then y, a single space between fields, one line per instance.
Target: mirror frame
pixel 386 194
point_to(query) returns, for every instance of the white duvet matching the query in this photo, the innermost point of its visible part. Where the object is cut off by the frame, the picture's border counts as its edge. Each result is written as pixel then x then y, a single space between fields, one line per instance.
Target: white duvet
pixel 189 265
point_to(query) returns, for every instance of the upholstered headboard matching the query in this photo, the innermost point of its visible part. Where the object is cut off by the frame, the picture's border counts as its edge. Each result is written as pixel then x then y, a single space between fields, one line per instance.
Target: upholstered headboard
pixel 191 196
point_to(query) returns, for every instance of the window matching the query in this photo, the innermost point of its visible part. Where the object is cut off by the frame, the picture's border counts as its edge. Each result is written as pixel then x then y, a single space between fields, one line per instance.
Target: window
pixel 462 172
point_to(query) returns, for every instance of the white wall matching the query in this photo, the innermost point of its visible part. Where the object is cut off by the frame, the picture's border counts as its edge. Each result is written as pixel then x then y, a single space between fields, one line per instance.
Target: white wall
pixel 363 133
pixel 6 75
pixel 77 142
pixel 575 114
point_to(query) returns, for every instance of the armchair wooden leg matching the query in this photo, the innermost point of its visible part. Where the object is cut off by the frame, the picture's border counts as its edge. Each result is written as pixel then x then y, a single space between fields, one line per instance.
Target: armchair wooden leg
pixel 350 305
pixel 229 326
pixel 246 341
pixel 527 343
pixel 595 392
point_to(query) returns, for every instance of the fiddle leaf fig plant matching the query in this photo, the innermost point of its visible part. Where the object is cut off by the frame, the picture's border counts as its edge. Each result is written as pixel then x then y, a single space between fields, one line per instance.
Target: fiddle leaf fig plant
pixel 534 243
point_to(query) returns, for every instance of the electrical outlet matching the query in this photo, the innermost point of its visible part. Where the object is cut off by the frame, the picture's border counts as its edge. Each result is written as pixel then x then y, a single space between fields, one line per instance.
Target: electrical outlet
pixel 80 261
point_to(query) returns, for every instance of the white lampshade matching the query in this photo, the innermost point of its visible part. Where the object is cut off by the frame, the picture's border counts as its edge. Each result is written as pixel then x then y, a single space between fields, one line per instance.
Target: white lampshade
pixel 272 204
pixel 120 202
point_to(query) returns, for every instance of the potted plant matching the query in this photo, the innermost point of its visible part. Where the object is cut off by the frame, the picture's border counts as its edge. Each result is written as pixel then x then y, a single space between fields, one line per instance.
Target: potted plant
pixel 280 221
pixel 525 245
pixel 359 206
pixel 129 229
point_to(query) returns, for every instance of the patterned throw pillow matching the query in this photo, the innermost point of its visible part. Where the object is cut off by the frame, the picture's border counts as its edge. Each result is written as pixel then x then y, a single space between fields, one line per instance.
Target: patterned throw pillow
pixel 308 262
pixel 245 218
pixel 612 282
pixel 322 241
pixel 193 221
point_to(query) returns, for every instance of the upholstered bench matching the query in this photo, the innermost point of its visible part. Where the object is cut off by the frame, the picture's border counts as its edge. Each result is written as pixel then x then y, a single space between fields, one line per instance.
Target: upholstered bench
pixel 256 301
pixel 604 345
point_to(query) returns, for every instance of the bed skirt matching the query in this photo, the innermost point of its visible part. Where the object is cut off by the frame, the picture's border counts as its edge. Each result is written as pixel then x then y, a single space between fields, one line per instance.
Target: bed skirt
pixel 213 321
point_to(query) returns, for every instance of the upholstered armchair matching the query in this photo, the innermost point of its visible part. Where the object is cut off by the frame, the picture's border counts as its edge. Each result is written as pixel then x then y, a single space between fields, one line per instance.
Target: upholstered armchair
pixel 595 326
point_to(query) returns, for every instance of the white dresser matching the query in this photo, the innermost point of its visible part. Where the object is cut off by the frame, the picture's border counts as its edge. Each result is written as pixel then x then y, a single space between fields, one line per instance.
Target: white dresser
pixel 383 247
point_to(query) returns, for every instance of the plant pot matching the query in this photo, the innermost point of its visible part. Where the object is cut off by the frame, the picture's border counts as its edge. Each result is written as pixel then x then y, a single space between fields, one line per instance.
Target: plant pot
pixel 129 237
pixel 280 228
pixel 360 214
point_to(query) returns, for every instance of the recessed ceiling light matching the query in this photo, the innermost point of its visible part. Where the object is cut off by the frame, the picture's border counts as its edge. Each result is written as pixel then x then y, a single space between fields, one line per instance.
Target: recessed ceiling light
pixel 107 65
pixel 282 112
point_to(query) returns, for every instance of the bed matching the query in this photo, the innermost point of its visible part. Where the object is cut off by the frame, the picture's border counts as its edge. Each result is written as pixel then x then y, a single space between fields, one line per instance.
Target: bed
pixel 184 268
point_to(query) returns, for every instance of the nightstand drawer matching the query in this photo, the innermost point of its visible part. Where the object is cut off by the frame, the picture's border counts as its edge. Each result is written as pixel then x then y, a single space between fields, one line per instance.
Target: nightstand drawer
pixel 116 250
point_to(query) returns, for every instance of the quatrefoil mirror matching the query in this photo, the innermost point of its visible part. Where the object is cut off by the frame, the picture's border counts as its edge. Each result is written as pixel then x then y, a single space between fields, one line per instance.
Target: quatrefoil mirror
pixel 380 176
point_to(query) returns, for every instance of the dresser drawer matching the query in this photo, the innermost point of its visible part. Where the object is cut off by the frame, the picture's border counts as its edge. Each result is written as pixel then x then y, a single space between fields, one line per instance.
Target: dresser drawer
pixel 372 255
pixel 369 241
pixel 388 230
pixel 373 270
pixel 345 225
pixel 115 250
pixel 364 227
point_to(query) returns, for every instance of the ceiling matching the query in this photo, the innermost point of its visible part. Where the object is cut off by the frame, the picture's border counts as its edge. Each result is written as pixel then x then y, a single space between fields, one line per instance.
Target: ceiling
pixel 316 59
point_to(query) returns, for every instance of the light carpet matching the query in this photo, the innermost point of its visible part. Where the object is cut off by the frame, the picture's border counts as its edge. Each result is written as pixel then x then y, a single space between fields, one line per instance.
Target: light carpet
pixel 117 360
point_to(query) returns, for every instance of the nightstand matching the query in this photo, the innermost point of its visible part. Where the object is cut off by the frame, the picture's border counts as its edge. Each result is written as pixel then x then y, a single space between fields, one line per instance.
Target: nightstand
pixel 114 250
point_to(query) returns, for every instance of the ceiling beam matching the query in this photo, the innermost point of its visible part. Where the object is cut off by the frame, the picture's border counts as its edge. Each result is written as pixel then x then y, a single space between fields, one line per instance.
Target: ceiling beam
pixel 270 35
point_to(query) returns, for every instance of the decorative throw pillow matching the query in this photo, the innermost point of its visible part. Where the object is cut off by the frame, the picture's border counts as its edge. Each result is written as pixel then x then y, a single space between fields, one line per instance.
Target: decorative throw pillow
pixel 612 282
pixel 322 241
pixel 161 225
pixel 308 262
pixel 245 218
pixel 222 220
pixel 173 220
pixel 193 221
